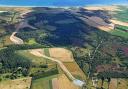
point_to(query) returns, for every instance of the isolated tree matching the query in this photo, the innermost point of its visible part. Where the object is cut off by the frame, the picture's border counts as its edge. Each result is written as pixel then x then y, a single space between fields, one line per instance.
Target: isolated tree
pixel 0 79
pixel 25 72
pixel 102 83
pixel 108 80
pixel 0 66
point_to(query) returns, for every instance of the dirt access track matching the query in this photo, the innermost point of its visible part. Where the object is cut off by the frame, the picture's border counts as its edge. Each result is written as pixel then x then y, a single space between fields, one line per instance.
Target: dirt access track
pixel 20 25
pixel 39 53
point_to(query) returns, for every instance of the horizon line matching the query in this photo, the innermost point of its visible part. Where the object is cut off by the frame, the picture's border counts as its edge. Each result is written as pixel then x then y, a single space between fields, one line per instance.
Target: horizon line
pixel 53 6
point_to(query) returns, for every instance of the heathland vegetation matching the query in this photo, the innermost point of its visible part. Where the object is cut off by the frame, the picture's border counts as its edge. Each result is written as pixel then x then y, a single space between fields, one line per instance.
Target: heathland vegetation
pixel 100 55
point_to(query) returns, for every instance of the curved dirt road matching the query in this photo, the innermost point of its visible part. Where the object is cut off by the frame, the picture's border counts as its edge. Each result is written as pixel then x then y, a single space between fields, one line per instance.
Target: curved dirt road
pixel 15 39
pixel 61 66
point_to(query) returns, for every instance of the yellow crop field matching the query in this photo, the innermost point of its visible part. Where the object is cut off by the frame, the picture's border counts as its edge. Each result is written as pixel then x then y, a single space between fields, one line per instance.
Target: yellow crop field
pixel 62 82
pixel 61 54
pixel 75 70
pixel 123 83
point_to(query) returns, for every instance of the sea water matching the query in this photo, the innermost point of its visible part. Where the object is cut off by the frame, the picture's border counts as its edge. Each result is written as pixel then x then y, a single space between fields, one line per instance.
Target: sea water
pixel 60 2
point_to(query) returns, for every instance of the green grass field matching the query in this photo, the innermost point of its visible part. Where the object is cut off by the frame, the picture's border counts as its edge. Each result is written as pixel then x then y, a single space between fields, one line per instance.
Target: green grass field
pixel 37 61
pixel 123 28
pixel 31 41
pixel 121 15
pixel 33 58
pixel 43 83
pixel 120 33
pixel 46 51
pixel 2 30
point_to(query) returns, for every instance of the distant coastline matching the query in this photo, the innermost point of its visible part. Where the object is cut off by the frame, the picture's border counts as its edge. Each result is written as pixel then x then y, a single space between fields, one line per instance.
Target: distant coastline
pixel 63 6
pixel 58 3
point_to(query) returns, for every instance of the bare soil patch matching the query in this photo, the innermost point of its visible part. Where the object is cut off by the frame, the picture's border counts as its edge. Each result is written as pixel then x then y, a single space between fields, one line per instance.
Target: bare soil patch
pixel 119 22
pixel 65 83
pixel 75 70
pixel 55 83
pixel 113 84
pixel 109 8
pixel 101 24
pixel 37 52
pixel 61 54
pixel 98 23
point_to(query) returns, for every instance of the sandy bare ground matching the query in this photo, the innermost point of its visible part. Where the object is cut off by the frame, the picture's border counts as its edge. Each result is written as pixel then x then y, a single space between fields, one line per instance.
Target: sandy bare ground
pixel 65 83
pixel 95 21
pixel 21 9
pixel 113 84
pixel 15 39
pixel 98 23
pixel 61 54
pixel 119 22
pixel 108 8
pixel 37 52
pixel 55 83
pixel 23 83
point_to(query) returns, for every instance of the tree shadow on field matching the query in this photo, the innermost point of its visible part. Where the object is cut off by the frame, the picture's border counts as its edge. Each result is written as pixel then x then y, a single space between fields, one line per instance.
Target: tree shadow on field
pixel 61 26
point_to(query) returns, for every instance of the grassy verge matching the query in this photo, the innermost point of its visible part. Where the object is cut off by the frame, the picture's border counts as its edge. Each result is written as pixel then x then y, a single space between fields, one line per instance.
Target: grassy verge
pixel 122 15
pixel 50 84
pixel 42 74
pixel 43 83
pixel 120 33
pixel 46 51
pixel 33 58
pixel 31 41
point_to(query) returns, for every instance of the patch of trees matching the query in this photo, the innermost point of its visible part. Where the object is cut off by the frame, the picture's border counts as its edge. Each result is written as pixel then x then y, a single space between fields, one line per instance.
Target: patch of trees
pixel 121 54
pixel 10 61
pixel 25 46
pixel 13 65
pixel 112 74
pixel 91 56
pixel 47 73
